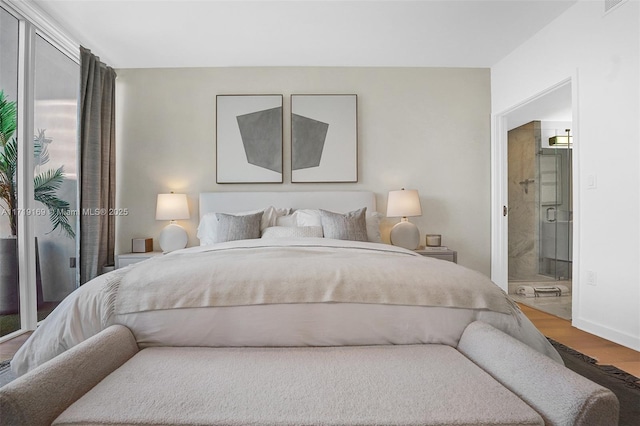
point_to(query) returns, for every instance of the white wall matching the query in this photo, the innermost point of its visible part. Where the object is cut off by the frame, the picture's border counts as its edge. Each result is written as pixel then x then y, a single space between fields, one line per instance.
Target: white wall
pixel 600 52
pixel 421 128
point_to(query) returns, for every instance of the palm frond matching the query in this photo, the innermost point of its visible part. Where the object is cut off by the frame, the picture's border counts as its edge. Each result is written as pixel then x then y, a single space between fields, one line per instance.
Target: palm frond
pixel 8 119
pixel 45 186
pixel 48 181
pixel 40 148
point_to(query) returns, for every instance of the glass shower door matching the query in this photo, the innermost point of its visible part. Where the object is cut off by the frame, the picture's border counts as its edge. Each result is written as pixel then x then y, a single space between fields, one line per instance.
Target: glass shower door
pixel 556 221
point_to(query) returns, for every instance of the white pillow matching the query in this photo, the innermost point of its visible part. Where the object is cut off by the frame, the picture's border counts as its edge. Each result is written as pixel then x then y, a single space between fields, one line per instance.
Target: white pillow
pixel 293 232
pixel 286 220
pixel 208 227
pixel 308 217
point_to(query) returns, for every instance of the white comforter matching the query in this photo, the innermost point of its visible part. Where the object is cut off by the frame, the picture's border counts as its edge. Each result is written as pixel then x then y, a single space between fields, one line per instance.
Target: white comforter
pixel 302 292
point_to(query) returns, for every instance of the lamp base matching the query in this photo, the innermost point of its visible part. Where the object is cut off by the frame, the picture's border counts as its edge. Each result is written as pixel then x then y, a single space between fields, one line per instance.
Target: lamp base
pixel 405 234
pixel 173 237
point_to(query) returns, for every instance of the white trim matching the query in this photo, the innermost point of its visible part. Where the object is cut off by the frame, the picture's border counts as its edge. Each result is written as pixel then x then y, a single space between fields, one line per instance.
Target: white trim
pixel 46 27
pixel 500 197
pixel 577 207
pixel 26 203
pixel 499 200
pixel 613 335
pixel 13 335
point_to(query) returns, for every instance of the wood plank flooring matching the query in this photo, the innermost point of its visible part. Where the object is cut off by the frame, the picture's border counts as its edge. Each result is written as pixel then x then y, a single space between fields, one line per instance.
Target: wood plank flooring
pixel 560 330
pixel 604 351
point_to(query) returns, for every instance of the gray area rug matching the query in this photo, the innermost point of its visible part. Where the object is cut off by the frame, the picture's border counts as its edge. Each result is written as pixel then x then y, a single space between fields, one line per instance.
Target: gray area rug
pixel 624 385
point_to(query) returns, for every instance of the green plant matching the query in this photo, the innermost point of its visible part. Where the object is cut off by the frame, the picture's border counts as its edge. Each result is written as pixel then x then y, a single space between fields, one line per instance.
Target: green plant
pixel 46 184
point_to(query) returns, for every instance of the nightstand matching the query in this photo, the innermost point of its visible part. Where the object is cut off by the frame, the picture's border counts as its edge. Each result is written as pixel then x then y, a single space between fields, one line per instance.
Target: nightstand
pixel 442 253
pixel 127 259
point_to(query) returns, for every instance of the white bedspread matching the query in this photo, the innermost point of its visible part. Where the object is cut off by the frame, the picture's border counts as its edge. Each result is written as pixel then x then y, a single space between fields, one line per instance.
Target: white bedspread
pixel 305 292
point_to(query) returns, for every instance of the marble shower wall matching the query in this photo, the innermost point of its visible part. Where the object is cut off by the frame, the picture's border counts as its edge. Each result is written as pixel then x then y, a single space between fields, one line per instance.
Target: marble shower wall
pixel 523 212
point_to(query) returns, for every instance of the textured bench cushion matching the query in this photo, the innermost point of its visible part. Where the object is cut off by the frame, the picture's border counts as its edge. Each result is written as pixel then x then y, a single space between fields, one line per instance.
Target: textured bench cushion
pixel 390 385
pixel 39 396
pixel 561 396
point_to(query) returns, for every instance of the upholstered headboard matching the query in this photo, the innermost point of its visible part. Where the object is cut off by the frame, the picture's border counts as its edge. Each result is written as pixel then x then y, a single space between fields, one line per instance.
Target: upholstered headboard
pixel 336 201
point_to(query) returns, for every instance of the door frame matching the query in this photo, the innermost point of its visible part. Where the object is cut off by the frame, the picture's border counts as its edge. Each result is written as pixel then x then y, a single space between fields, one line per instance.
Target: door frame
pixel 499 190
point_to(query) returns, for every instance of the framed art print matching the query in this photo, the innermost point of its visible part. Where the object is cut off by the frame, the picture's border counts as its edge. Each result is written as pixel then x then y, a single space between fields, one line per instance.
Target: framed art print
pixel 249 139
pixel 324 138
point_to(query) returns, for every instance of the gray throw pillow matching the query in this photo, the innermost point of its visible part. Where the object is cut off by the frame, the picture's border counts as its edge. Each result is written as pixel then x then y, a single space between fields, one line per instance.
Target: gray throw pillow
pixel 348 226
pixel 231 228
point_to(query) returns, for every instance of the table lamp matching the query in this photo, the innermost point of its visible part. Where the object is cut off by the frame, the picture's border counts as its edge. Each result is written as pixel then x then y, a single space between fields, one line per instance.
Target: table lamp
pixel 172 207
pixel 404 203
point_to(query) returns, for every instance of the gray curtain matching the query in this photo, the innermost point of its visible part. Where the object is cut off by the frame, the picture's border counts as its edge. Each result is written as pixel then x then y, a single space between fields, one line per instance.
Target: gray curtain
pixel 97 165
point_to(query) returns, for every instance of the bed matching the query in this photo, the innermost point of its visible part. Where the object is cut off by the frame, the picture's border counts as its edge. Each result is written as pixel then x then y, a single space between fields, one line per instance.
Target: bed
pixel 292 311
pixel 372 308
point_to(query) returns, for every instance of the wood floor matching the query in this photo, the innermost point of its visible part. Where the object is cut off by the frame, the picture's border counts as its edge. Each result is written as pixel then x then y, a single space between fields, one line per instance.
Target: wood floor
pixel 560 330
pixel 604 351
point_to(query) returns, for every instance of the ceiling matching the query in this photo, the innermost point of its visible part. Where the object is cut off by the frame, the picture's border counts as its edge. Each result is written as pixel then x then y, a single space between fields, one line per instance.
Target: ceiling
pixel 213 33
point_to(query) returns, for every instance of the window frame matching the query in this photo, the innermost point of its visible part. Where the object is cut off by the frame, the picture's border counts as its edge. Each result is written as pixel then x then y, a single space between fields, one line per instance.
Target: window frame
pixel 31 23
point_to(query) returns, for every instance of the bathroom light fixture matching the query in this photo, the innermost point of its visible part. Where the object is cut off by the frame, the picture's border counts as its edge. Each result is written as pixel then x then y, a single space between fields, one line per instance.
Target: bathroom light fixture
pixel 172 207
pixel 404 203
pixel 561 140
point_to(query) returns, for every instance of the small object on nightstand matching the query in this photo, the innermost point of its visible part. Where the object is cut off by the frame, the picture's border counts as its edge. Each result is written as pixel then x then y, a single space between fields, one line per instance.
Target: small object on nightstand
pixel 433 240
pixel 141 245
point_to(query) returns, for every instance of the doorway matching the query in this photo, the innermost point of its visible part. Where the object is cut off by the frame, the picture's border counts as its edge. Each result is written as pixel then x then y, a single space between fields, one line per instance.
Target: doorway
pixel 540 202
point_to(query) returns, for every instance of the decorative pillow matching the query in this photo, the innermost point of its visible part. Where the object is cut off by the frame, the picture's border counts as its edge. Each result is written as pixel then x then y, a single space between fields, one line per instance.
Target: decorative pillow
pixel 307 217
pixel 373 227
pixel 231 228
pixel 208 227
pixel 292 232
pixel 349 226
pixel 286 220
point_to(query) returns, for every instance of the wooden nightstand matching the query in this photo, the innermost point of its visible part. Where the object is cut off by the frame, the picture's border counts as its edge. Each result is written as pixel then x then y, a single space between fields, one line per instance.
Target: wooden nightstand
pixel 127 259
pixel 442 253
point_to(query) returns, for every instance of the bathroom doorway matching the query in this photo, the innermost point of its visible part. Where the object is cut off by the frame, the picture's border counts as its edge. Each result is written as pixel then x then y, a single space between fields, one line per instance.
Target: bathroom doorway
pixel 540 207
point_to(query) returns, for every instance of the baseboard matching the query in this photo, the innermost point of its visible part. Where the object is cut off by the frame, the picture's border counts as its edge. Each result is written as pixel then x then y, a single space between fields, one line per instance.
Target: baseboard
pixel 615 336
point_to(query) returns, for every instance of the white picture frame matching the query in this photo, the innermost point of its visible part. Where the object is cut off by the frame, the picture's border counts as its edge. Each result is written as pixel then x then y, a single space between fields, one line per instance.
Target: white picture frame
pixel 249 139
pixel 324 138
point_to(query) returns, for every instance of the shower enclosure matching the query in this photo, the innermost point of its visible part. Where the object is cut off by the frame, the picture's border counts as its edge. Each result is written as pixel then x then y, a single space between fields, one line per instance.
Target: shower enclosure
pixel 556 216
pixel 540 202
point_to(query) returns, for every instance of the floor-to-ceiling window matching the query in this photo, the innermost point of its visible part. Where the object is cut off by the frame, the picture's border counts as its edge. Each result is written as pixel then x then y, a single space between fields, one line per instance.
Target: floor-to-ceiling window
pixel 55 163
pixel 9 290
pixel 43 82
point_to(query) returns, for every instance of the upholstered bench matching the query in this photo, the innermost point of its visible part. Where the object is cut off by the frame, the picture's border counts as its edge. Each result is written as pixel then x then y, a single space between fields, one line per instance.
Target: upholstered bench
pixel 485 381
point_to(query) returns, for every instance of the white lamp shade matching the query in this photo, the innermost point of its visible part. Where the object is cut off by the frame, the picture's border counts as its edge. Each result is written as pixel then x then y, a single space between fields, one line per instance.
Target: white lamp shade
pixel 403 203
pixel 172 207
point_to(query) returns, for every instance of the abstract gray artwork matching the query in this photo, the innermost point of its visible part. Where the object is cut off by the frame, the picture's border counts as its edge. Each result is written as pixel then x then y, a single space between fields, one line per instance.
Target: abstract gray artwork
pixel 324 138
pixel 307 139
pixel 249 139
pixel 261 134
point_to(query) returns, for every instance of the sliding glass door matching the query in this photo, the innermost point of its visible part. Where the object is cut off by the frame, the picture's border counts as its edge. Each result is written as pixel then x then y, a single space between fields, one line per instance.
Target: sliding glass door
pixel 9 289
pixel 55 174
pixel 38 174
